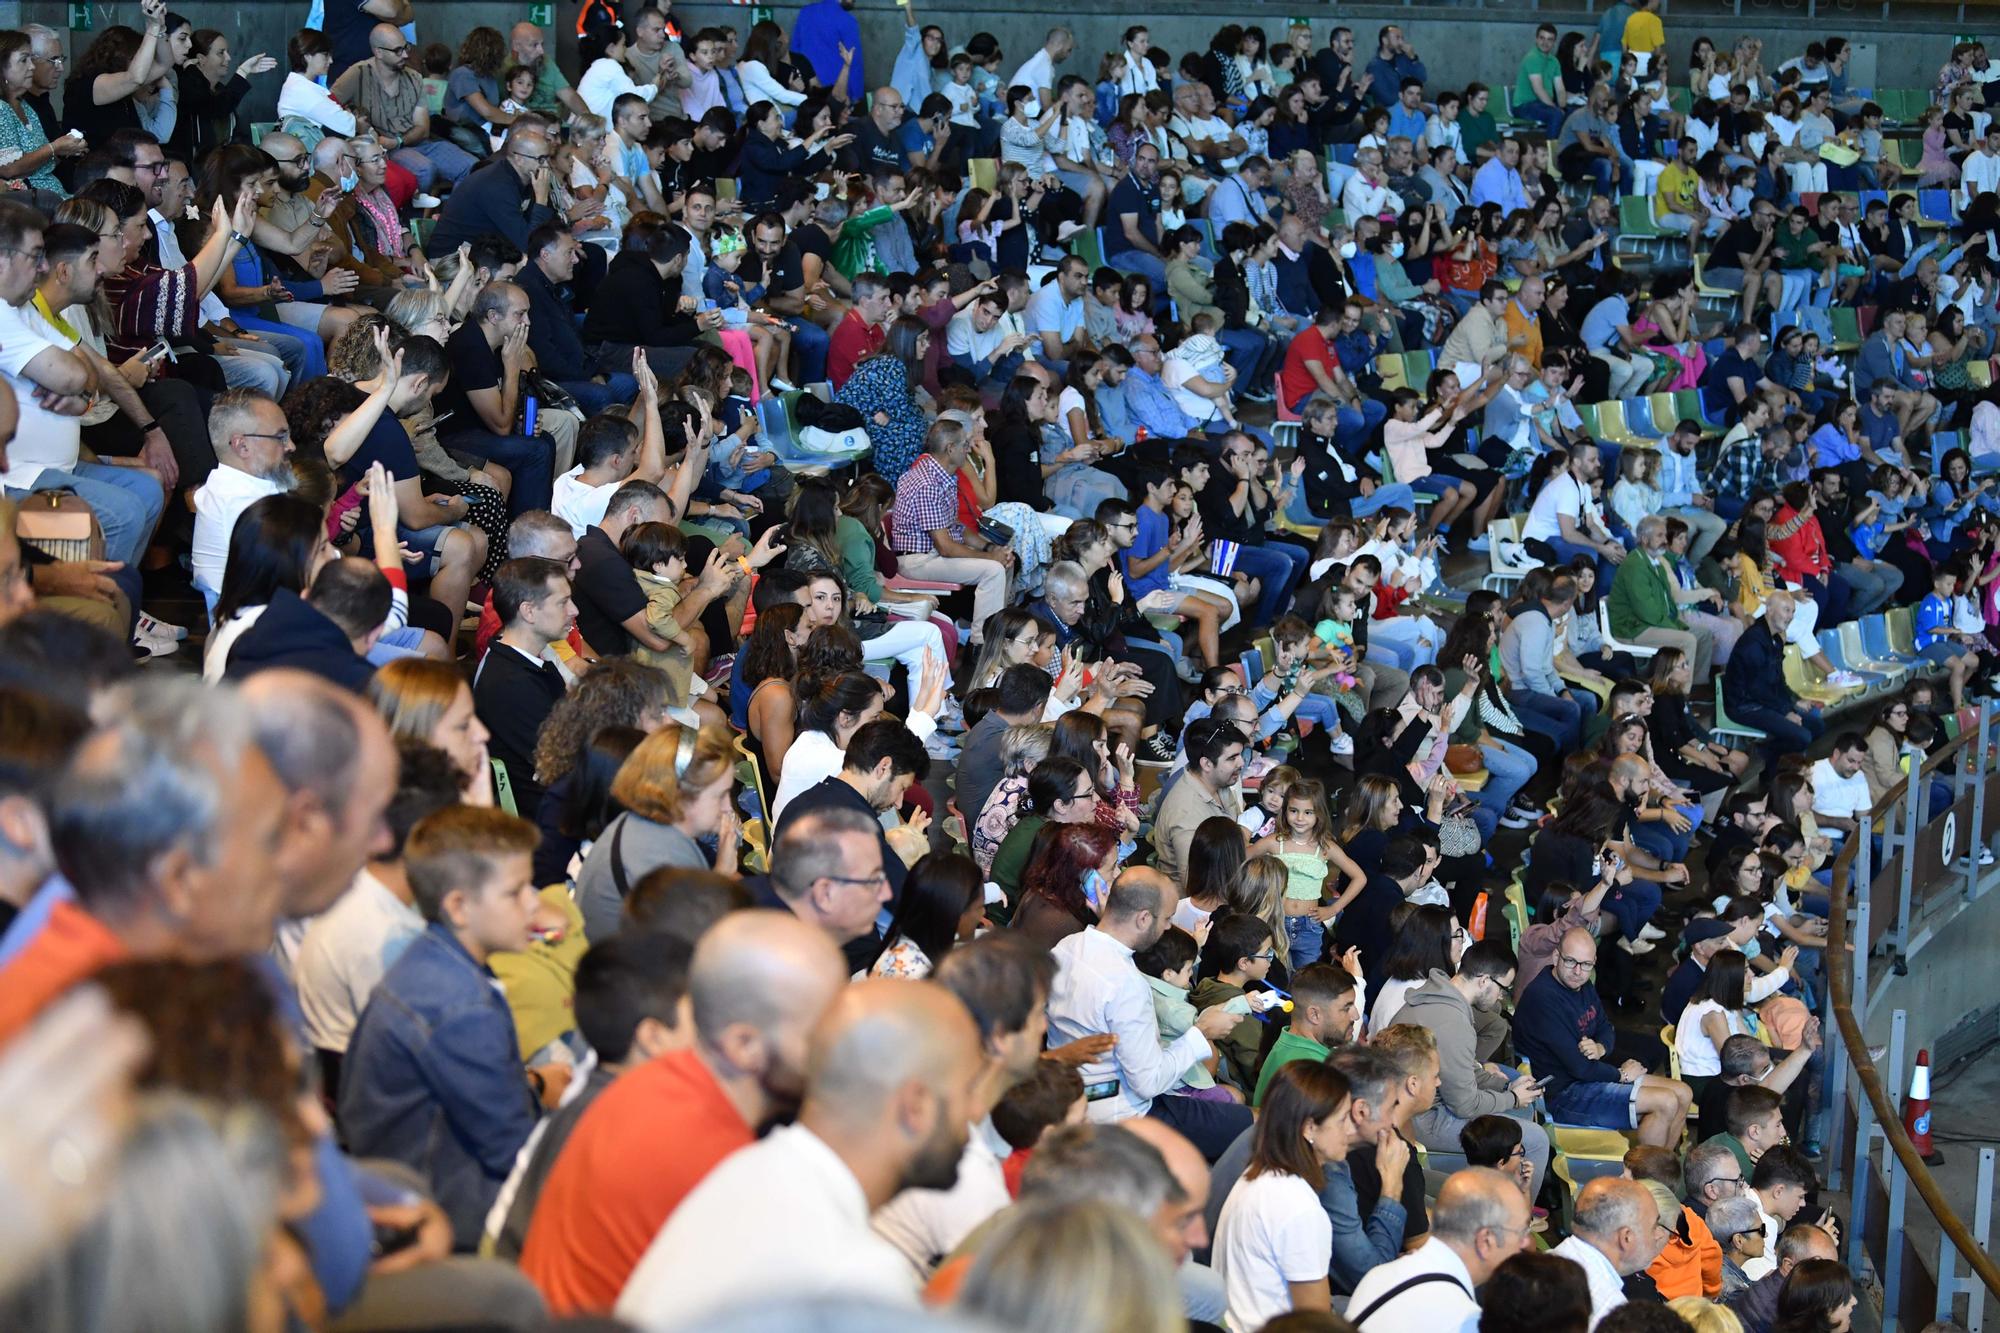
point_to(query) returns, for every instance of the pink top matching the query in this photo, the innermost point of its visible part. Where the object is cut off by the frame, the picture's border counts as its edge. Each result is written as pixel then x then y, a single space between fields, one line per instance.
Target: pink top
pixel 1410 442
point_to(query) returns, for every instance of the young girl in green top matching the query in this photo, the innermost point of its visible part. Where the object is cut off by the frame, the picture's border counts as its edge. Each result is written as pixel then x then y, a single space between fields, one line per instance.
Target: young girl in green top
pixel 1304 842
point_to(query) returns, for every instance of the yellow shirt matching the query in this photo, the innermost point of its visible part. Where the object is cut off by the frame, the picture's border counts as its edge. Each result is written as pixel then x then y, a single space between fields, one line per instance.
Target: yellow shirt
pixel 1643 32
pixel 1679 184
pixel 1518 323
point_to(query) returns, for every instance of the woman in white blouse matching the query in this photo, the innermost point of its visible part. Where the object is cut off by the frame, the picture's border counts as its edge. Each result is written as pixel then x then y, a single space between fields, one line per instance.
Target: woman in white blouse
pixel 1274 1241
pixel 1719 1010
pixel 310 56
pixel 829 719
pixel 761 66
pixel 606 79
pixel 1024 133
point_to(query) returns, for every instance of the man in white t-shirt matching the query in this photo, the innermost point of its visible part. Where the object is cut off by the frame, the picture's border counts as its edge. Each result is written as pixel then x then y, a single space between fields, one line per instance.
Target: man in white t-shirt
pixel 1055 314
pixel 1207 135
pixel 611 451
pixel 52 384
pixel 253 456
pixel 1840 786
pixel 1562 514
pixel 1038 72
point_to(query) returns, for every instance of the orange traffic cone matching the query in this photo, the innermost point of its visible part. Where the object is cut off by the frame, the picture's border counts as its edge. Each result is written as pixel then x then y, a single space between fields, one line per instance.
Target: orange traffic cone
pixel 1917 1111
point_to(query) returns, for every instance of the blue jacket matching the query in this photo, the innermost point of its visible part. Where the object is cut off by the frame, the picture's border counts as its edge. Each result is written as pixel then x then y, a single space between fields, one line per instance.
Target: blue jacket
pixel 1358 1244
pixel 433 1079
pixel 1755 676
pixel 1549 1021
pixel 765 163
pixel 1389 76
pixel 489 199
pixel 293 633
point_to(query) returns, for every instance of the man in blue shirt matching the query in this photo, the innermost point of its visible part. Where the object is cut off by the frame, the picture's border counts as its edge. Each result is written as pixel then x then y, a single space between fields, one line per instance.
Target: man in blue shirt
pixel 1055 314
pixel 1407 116
pixel 1395 60
pixel 1132 232
pixel 1499 181
pixel 1147 401
pixel 819 34
pixel 1240 198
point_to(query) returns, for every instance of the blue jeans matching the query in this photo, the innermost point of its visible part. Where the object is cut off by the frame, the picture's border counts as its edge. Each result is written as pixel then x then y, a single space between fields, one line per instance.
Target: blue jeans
pixel 1662 841
pixel 592 397
pixel 1508 768
pixel 1787 737
pixel 1395 495
pixel 1633 904
pixel 301 350
pixel 127 502
pixel 809 343
pixel 1570 550
pixel 1247 352
pixel 1551 715
pixel 1277 566
pixel 433 158
pixel 531 458
pixel 1549 118
pixel 1307 937
pixel 1150 267
pixel 1831 593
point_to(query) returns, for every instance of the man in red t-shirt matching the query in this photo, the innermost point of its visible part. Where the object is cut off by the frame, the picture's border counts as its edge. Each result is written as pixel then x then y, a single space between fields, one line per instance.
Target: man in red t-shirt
pixel 758 984
pixel 1310 364
pixel 862 330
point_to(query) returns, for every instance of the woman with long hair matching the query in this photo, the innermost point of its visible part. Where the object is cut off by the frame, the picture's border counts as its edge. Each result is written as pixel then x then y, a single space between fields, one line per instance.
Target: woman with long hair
pixel 1512 754
pixel 117 71
pixel 588 805
pixel 1426 940
pixel 812 548
pixel 618 695
pixel 1059 1263
pixel 1374 809
pixel 883 390
pixel 1021 749
pixel 1718 1010
pixel 210 92
pixel 429 701
pixel 1681 746
pixel 941 906
pixel 769 658
pixel 1818 1297
pixel 1273 1239
pixel 1580 846
pixel 823 722
pixel 675 788
pixel 1085 738
pixel 473 101
pixel 1013 638
pixel 1063 887
pixel 1215 858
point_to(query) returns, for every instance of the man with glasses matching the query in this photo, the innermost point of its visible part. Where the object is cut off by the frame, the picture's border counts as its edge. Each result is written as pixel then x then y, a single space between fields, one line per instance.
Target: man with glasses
pixel 1619 1228
pixel 477 411
pixel 1563 1028
pixel 334 173
pixel 305 216
pixel 51 384
pixel 1756 1304
pixel 253 453
pixel 389 93
pixel 1480 1218
pixel 45 45
pixel 510 203
pixel 831 866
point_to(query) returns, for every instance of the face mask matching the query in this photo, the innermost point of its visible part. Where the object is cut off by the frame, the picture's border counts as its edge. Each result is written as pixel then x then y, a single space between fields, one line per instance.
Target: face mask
pixel 1031 108
pixel 1094 890
pixel 1395 249
pixel 349 182
pixel 1347 250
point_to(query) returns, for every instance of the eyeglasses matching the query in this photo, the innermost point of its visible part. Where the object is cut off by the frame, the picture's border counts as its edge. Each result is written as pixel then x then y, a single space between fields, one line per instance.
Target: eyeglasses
pixel 531 157
pixel 1580 964
pixel 53 60
pixel 33 256
pixel 879 877
pixel 393 50
pixel 290 161
pixel 1268 956
pixel 283 436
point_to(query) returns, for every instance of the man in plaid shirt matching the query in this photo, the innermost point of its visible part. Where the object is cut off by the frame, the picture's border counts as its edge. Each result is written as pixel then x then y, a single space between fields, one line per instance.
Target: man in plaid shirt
pixel 929 540
pixel 1746 464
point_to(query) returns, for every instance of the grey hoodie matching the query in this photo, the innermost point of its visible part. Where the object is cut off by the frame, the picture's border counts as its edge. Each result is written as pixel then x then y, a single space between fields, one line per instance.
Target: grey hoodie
pixel 1465 1089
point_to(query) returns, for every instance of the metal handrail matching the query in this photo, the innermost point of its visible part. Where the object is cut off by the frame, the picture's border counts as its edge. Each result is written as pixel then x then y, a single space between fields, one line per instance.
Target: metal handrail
pixel 1840 1001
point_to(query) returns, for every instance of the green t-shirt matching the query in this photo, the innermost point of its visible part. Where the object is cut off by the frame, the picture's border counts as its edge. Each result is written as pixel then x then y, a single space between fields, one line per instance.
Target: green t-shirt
pixel 1477 128
pixel 1288 1047
pixel 549 81
pixel 1544 63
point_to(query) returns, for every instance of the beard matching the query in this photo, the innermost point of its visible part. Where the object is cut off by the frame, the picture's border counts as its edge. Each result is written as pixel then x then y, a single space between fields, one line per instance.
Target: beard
pixel 935 1167
pixel 282 476
pixel 785 1088
pixel 290 186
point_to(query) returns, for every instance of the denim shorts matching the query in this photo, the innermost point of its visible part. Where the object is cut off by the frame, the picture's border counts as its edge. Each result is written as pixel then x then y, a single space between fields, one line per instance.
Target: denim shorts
pixel 1597 1105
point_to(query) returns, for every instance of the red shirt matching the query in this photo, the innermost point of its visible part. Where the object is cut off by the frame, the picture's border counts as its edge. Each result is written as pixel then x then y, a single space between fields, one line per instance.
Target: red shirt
pixel 1295 379
pixel 648 1140
pixel 854 339
pixel 72 946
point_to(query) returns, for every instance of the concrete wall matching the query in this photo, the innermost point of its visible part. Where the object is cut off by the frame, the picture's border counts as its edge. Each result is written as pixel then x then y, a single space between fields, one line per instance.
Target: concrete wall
pixel 1460 44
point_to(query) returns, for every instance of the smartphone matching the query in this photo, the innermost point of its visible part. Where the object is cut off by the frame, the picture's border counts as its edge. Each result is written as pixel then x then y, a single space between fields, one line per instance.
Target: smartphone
pixel 389 1239
pixel 704 305
pixel 1098 1092
pixel 153 354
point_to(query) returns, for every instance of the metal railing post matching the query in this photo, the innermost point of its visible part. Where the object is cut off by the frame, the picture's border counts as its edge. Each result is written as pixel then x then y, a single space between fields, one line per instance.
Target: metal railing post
pixel 1892 1258
pixel 1862 913
pixel 1982 1232
pixel 1912 800
pixel 1898 1029
pixel 1864 1130
pixel 1836 1070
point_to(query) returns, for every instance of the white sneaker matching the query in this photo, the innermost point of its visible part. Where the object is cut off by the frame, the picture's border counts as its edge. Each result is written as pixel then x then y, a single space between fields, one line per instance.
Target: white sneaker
pixel 1511 820
pixel 1845 680
pixel 425 201
pixel 1649 931
pixel 153 646
pixel 1341 743
pixel 154 628
pixel 779 384
pixel 1637 948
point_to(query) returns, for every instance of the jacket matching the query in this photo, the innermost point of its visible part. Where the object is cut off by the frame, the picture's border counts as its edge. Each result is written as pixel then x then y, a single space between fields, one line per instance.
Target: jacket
pixel 293 633
pixel 552 331
pixel 634 307
pixel 1464 1088
pixel 1755 675
pixel 1243 1044
pixel 1359 1243
pixel 765 163
pixel 1642 598
pixel 490 199
pixel 1550 1020
pixel 433 1079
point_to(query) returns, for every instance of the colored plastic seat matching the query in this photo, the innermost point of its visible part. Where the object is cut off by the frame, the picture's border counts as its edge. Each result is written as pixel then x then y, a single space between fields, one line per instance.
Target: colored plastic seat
pixel 1727 727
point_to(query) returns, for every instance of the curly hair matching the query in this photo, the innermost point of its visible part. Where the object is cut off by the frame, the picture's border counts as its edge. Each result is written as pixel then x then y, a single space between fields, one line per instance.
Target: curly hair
pixel 767 653
pixel 1061 856
pixel 617 693
pixel 316 407
pixel 484 52
pixel 352 356
pixel 829 651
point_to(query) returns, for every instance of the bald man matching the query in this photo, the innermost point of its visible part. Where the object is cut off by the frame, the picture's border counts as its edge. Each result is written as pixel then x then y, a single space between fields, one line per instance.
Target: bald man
pixel 1181 1222
pixel 386 90
pixel 1480 1218
pixel 1618 1230
pixel 552 96
pixel 893 1071
pixel 1563 1028
pixel 508 202
pixel 758 984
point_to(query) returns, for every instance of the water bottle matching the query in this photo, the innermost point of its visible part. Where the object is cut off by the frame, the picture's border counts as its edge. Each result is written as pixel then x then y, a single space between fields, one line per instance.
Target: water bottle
pixel 529 413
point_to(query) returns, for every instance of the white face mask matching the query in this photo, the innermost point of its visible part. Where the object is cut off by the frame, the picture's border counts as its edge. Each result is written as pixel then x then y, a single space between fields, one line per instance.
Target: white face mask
pixel 349 182
pixel 1347 250
pixel 1395 249
pixel 1031 108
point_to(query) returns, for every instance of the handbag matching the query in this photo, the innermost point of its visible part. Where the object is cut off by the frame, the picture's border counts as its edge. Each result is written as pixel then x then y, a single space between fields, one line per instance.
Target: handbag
pixel 60 524
pixel 1000 534
pixel 1457 836
pixel 1464 759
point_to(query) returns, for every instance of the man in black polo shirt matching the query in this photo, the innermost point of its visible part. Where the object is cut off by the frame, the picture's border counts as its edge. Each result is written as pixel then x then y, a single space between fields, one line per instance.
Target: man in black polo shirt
pixel 776 262
pixel 878 143
pixel 883 760
pixel 610 604
pixel 552 261
pixel 477 409
pixel 1132 238
pixel 517 685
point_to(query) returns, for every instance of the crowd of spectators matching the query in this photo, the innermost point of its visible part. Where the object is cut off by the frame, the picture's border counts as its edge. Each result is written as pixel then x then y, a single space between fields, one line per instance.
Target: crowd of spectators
pixel 1033 694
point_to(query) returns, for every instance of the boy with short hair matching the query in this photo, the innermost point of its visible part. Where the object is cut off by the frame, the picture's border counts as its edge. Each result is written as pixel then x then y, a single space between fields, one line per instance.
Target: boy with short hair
pixel 433 1075
pixel 1239 951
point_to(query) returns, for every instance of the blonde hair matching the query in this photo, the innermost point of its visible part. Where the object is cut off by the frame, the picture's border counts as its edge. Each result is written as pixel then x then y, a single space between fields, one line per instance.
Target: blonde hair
pixel 1407 1045
pixel 1705 1316
pixel 1081 1264
pixel 1260 891
pixel 413 694
pixel 653 784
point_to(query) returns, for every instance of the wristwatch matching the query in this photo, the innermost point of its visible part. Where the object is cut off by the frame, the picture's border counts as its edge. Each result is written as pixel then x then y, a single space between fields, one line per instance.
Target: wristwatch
pixel 239 237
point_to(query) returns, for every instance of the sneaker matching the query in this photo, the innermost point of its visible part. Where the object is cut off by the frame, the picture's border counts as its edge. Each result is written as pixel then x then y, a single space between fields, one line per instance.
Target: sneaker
pixel 1985 857
pixel 154 628
pixel 1511 820
pixel 778 384
pixel 150 647
pixel 1649 931
pixel 1846 680
pixel 940 747
pixel 1158 750
pixel 425 201
pixel 1188 671
pixel 1637 948
pixel 1341 743
pixel 1522 810
pixel 1481 544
